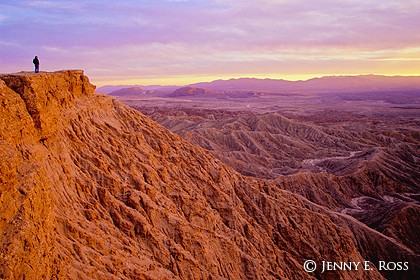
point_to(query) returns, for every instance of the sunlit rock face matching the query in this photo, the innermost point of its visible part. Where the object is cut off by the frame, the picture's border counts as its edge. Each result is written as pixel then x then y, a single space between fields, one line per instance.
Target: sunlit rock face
pixel 92 189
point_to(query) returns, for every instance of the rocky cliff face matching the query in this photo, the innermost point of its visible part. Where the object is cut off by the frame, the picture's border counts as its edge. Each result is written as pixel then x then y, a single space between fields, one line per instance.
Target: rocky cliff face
pixel 31 115
pixel 92 189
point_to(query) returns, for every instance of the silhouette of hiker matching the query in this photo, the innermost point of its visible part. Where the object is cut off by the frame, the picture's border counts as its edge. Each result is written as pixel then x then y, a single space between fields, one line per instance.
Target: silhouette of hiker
pixel 36 63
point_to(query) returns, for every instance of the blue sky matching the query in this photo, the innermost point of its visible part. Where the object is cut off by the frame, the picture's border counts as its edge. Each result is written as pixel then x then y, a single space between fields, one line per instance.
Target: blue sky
pixel 179 42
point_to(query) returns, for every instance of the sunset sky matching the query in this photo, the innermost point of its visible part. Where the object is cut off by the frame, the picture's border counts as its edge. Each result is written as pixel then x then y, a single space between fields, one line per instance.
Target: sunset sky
pixel 180 41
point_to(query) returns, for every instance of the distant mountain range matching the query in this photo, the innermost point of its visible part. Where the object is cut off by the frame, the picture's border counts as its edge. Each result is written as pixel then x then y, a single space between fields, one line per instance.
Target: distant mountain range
pixel 328 83
pixel 111 88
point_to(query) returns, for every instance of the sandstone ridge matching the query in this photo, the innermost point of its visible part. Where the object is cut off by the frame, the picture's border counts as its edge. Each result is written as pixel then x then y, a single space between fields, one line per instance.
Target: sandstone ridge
pixel 45 94
pixel 92 189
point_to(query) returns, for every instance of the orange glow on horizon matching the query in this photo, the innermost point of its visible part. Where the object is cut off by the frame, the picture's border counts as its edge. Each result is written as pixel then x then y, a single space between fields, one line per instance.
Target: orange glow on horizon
pixel 186 80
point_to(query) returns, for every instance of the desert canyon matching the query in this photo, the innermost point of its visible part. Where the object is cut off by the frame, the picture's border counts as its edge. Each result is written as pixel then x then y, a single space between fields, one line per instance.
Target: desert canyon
pixel 211 181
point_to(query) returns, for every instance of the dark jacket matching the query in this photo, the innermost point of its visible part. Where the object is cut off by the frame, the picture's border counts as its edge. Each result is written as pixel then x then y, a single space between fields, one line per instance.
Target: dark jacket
pixel 36 61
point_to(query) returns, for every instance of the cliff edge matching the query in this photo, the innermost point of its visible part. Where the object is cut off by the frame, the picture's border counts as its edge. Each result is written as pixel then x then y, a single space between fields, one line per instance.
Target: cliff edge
pixel 92 189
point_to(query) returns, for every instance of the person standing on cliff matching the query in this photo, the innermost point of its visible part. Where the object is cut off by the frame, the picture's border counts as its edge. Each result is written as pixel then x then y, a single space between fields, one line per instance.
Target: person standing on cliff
pixel 36 63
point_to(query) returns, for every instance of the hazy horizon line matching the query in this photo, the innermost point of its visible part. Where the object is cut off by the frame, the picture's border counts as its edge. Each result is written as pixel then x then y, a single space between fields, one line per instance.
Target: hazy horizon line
pixel 133 82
